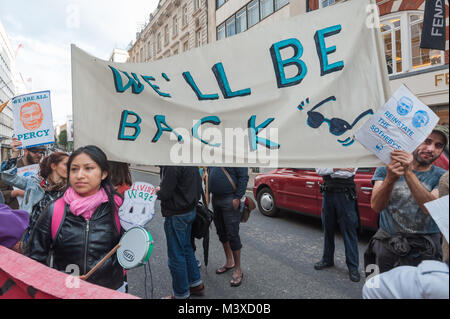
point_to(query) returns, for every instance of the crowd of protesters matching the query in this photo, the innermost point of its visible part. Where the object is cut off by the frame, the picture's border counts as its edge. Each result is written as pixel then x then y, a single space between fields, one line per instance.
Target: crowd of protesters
pixel 87 190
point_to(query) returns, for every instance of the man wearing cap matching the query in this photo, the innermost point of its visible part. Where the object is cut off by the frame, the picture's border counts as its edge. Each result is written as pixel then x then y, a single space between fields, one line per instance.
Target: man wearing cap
pixel 407 234
pixel 32 155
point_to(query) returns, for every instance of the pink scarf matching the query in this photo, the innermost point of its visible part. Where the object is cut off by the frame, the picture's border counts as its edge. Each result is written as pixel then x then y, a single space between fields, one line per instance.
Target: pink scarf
pixel 84 206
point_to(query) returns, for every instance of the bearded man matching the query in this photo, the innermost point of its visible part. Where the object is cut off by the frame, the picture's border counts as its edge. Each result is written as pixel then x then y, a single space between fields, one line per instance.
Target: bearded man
pixel 407 234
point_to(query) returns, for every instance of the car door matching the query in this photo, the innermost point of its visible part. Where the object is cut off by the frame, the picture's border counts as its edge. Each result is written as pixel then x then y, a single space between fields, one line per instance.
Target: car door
pixel 300 191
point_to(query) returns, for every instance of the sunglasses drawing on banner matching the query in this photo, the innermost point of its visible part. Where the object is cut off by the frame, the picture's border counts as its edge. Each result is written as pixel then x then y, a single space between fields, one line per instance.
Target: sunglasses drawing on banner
pixel 337 126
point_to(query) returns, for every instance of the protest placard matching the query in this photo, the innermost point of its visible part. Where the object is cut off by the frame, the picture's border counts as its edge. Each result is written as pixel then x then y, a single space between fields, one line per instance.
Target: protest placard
pixel 439 210
pixel 138 207
pixel 33 120
pixel 403 123
pixel 26 171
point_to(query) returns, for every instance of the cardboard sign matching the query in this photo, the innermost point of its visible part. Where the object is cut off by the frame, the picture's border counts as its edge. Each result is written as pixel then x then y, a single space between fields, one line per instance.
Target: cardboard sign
pixel 439 210
pixel 26 171
pixel 138 207
pixel 285 94
pixel 33 120
pixel 403 123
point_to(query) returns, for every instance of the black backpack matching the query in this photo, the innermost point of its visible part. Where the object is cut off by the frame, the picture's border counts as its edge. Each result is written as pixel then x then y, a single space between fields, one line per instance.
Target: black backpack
pixel 203 218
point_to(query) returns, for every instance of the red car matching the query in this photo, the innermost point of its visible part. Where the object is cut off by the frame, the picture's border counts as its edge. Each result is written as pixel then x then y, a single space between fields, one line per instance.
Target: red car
pixel 297 190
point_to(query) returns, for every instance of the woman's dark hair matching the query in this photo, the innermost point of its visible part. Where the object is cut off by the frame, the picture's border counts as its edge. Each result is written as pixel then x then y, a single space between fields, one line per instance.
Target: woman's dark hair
pixel 120 173
pixel 45 168
pixel 98 156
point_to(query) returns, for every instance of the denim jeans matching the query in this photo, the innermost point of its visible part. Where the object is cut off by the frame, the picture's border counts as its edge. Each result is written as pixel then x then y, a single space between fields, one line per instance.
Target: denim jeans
pixel 337 208
pixel 182 263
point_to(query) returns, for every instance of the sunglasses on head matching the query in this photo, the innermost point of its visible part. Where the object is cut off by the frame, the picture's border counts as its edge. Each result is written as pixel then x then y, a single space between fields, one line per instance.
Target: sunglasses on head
pixel 337 126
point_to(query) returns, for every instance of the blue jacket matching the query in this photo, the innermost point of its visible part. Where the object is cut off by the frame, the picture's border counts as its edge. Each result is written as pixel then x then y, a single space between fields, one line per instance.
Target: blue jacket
pixel 220 185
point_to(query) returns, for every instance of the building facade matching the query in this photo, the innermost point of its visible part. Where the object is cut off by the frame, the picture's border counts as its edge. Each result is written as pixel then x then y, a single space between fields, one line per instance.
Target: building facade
pixel 176 26
pixel 7 90
pixel 119 56
pixel 230 17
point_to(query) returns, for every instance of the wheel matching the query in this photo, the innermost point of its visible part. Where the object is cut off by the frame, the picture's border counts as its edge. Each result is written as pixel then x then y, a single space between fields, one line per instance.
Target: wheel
pixel 266 202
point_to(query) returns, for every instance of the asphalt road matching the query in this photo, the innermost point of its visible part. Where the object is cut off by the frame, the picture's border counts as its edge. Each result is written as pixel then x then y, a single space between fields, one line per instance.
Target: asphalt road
pixel 278 255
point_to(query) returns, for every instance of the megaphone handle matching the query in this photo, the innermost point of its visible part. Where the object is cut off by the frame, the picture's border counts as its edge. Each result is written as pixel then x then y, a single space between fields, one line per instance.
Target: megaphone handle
pixel 101 262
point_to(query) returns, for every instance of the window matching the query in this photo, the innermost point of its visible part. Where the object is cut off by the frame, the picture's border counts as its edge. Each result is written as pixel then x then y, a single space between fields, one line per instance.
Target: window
pixel 220 3
pixel 184 16
pixel 421 57
pixel 166 34
pixel 326 3
pixel 253 13
pixel 241 21
pixel 231 27
pixel 198 38
pixel 197 4
pixel 392 45
pixel 401 34
pixel 149 50
pixel 266 8
pixel 221 32
pixel 185 46
pixel 174 26
pixel 248 16
pixel 280 4
pixel 158 42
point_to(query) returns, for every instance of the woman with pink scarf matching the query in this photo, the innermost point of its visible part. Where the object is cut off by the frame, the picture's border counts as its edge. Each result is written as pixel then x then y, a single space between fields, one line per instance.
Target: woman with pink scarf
pixel 89 228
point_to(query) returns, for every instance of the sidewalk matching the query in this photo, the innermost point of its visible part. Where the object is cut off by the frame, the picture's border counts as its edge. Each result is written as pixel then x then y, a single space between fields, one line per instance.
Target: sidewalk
pixel 155 170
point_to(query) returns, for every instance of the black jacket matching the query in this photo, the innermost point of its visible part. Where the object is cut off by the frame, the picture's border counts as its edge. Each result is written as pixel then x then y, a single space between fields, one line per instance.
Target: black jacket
pixel 180 189
pixel 80 242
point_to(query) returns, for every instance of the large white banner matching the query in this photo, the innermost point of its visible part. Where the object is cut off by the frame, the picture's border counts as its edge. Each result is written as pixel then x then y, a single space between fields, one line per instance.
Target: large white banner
pixel 286 94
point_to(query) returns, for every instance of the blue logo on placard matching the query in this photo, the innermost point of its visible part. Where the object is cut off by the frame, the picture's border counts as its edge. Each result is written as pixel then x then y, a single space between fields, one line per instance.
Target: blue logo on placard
pixel 28 174
pixel 420 119
pixel 404 106
pixel 379 147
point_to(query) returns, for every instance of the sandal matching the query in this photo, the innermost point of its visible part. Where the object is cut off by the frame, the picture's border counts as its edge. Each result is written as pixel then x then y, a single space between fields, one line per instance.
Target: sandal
pixel 237 281
pixel 223 269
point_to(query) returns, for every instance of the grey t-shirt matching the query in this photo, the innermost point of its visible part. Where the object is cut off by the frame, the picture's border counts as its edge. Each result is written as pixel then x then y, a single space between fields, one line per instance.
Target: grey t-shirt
pixel 403 214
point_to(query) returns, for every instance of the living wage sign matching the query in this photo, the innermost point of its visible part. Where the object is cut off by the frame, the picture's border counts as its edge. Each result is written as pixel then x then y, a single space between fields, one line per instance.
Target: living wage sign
pixel 288 94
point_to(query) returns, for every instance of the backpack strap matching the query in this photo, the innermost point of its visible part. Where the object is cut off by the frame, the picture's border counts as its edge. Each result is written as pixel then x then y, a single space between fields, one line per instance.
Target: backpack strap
pixel 118 200
pixel 58 216
pixel 229 178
